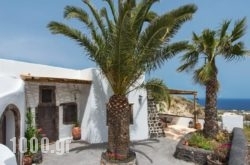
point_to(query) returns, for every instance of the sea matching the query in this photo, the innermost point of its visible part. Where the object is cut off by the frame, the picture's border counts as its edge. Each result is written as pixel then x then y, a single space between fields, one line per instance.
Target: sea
pixel 229 104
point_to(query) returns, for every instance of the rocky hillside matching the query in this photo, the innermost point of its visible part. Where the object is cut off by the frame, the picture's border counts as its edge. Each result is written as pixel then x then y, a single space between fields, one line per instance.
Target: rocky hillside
pixel 181 106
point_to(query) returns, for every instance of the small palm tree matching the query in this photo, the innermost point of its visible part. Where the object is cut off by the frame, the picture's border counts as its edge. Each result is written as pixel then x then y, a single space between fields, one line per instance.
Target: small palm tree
pixel 125 43
pixel 207 46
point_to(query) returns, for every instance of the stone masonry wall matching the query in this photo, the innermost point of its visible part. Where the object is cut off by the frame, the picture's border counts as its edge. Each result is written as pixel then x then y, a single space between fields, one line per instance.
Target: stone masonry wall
pixel 155 126
pixel 65 93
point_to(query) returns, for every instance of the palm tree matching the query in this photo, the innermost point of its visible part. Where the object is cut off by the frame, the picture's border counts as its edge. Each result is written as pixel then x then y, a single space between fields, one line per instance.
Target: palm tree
pixel 125 43
pixel 207 46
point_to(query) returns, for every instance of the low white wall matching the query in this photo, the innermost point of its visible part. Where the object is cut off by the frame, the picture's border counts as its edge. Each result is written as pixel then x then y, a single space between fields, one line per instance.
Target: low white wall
pixel 231 120
pixel 184 121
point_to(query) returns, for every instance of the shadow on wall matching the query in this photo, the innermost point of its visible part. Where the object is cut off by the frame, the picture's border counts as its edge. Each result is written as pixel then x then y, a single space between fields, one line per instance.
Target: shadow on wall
pixel 102 92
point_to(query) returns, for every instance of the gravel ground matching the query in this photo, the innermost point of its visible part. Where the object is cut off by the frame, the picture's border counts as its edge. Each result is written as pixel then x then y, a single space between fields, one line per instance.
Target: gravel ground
pixel 148 152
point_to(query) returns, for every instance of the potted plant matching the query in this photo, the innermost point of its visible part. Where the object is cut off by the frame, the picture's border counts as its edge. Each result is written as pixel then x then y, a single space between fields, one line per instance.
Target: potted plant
pixel 76 131
pixel 29 133
pixel 38 156
pixel 31 154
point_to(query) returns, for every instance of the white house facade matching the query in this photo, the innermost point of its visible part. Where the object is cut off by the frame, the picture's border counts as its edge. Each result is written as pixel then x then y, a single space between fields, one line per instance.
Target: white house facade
pixel 57 97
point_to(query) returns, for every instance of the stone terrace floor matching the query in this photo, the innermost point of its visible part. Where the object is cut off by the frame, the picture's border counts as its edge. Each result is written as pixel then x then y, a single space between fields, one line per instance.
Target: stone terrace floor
pixel 148 152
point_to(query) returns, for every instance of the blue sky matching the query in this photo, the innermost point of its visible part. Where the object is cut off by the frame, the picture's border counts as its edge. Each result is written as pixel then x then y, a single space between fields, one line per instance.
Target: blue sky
pixel 24 36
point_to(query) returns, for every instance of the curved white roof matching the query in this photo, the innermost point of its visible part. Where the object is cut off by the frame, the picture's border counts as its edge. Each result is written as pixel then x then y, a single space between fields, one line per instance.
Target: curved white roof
pixel 7 156
pixel 10 84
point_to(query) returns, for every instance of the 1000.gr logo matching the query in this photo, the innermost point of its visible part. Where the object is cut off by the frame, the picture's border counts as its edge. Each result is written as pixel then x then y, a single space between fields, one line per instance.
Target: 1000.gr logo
pixel 42 145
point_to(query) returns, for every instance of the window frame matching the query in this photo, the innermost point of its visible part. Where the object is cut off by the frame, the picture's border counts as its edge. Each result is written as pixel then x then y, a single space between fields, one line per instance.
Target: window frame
pixel 65 114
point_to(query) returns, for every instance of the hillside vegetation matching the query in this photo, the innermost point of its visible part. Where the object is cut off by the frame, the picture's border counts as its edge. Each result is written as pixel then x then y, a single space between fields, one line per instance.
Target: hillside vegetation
pixel 181 106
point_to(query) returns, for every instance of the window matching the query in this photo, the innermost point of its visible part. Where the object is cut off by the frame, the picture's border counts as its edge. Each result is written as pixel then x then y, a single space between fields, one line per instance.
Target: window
pixel 69 113
pixel 47 94
pixel 131 114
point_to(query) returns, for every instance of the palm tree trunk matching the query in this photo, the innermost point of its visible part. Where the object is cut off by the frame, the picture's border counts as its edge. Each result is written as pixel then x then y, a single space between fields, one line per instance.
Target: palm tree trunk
pixel 211 125
pixel 118 127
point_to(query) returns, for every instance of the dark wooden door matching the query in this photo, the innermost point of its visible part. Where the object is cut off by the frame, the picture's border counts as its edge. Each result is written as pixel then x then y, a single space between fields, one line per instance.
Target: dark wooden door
pixel 47 113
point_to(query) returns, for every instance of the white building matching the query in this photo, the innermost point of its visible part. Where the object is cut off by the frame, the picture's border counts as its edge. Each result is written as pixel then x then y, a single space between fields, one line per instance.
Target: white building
pixel 231 120
pixel 56 96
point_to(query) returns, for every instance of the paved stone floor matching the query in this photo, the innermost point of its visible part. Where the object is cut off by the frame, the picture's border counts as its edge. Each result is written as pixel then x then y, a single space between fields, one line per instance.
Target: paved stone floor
pixel 148 152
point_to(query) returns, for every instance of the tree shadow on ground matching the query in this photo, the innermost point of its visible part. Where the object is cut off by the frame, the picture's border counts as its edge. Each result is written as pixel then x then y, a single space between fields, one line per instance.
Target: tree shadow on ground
pixel 79 146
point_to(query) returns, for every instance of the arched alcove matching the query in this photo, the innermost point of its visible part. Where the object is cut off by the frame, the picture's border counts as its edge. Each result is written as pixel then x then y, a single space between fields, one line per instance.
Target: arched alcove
pixel 10 128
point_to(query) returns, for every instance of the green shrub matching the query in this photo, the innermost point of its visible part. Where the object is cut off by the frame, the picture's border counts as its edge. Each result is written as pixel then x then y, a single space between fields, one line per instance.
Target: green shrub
pixel 199 141
pixel 247 132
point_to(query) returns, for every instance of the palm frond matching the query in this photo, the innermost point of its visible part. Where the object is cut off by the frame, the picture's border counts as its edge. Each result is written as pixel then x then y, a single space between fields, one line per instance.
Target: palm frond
pixel 223 30
pixel 161 30
pixel 81 39
pixel 97 17
pixel 151 16
pixel 112 8
pixel 235 52
pixel 239 29
pixel 158 90
pixel 165 54
pixel 141 14
pixel 190 59
pixel 108 21
pixel 76 12
pixel 204 73
pixel 209 43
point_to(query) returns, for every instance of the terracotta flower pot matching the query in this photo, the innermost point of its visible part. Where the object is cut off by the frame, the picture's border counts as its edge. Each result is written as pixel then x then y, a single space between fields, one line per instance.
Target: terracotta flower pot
pixel 27 160
pixel 76 133
pixel 198 126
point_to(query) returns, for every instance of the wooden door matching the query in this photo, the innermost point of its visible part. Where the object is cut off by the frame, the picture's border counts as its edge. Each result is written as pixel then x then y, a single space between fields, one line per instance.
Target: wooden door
pixel 47 113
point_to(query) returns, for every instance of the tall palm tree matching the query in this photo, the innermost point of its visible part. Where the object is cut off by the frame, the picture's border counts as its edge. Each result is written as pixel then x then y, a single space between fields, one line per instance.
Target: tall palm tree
pixel 207 46
pixel 125 43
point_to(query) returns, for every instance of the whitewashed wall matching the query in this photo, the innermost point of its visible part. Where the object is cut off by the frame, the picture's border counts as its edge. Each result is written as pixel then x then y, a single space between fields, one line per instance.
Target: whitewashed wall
pixel 231 120
pixel 91 100
pixel 12 92
pixel 94 128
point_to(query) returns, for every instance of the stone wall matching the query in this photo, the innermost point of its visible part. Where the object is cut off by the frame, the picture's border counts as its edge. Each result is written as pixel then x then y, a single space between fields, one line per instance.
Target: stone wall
pixel 239 150
pixel 64 93
pixel 156 128
pixel 191 154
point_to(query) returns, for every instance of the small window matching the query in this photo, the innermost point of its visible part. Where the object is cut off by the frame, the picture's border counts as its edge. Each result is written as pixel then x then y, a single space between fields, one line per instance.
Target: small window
pixel 47 94
pixel 69 113
pixel 131 114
